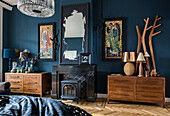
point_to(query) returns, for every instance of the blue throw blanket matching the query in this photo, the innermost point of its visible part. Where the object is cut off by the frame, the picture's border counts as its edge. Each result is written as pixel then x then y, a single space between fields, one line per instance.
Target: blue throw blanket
pixel 37 106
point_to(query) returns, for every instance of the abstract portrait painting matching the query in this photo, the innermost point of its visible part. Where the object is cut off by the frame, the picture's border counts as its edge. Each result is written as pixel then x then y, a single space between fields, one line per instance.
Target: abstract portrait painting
pixel 46 33
pixel 113 31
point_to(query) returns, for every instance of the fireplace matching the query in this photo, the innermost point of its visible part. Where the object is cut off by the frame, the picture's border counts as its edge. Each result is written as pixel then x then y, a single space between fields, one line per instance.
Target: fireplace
pixel 86 72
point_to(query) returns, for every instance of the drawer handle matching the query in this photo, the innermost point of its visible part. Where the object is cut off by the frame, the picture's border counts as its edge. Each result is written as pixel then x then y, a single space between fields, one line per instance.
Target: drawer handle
pixel 14 76
pixel 122 81
pixel 122 87
pixel 149 96
pixel 32 89
pixel 32 77
pixel 150 87
pixel 32 82
pixel 149 82
pixel 14 87
pixel 121 94
pixel 14 81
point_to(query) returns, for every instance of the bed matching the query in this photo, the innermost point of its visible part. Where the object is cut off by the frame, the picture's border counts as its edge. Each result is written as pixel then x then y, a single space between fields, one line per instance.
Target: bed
pixel 14 105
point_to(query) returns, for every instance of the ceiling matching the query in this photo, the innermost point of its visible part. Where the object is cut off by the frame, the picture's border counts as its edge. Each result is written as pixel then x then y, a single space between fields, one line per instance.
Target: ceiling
pixel 11 2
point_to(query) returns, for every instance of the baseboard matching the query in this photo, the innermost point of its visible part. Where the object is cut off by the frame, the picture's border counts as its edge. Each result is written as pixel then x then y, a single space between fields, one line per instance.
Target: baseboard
pixel 100 95
pixel 167 99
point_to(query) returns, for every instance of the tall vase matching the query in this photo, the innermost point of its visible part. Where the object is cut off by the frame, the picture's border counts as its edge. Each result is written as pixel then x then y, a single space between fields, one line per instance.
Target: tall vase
pixel 32 67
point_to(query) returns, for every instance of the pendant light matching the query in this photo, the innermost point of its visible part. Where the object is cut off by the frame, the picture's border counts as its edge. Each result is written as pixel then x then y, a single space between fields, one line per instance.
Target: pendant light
pixel 37 8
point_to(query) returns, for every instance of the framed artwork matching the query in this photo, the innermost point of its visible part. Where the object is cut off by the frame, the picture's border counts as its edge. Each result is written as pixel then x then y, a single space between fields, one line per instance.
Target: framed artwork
pixel 46 32
pixel 113 38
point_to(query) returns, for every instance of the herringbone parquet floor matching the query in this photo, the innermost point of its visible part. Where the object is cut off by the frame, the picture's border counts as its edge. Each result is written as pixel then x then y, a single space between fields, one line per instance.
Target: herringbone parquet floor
pixel 115 108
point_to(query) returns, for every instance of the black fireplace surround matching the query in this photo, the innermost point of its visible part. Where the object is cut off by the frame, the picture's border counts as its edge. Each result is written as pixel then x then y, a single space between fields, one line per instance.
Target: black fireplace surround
pixel 62 72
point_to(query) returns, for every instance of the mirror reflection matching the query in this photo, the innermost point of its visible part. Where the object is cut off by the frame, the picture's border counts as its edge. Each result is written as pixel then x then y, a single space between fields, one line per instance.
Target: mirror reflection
pixel 74 34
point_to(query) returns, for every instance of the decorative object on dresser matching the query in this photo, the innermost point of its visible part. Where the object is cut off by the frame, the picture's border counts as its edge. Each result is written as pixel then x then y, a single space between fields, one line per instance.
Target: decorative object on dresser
pixel 140 59
pixel 129 68
pixel 46 32
pixel 85 73
pixel 141 40
pixel 29 83
pixel 113 38
pixel 9 53
pixel 150 43
pixel 25 53
pixel 26 64
pixel 14 67
pixel 137 89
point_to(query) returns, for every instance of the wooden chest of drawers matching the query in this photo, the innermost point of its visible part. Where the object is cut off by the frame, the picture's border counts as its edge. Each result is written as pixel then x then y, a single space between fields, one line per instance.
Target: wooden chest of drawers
pixel 29 83
pixel 139 89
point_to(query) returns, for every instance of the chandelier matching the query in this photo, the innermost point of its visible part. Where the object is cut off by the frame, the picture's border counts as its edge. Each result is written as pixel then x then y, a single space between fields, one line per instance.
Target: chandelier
pixel 37 8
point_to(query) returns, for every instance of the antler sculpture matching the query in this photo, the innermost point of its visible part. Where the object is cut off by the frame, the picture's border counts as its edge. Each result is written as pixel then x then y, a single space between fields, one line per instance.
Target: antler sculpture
pixel 150 40
pixel 141 40
pixel 55 40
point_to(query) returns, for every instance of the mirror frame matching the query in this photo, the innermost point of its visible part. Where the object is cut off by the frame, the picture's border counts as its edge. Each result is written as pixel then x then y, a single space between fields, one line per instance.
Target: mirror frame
pixel 66 11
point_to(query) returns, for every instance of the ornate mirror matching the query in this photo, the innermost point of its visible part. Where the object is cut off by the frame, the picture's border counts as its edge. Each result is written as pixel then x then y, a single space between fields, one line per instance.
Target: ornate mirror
pixel 74 32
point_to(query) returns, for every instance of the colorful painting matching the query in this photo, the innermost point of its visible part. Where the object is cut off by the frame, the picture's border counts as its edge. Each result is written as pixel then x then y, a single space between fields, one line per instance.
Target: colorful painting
pixel 113 38
pixel 46 32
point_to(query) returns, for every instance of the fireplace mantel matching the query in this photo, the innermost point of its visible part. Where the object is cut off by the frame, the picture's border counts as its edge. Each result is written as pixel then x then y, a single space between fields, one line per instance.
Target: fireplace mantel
pixel 87 71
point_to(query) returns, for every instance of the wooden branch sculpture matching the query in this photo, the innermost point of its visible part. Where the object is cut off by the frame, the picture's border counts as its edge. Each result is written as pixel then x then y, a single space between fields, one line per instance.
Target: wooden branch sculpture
pixel 150 41
pixel 141 40
pixel 139 45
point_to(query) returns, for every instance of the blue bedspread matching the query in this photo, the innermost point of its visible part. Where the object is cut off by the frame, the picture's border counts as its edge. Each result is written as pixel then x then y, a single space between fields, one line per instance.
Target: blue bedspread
pixel 37 106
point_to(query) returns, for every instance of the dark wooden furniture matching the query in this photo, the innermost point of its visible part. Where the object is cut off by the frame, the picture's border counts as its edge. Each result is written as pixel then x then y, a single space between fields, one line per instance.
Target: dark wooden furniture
pixel 29 83
pixel 138 89
pixel 85 72
pixel 70 89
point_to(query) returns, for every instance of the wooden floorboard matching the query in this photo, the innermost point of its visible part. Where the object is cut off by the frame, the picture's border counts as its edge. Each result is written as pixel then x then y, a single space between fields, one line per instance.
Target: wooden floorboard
pixel 115 108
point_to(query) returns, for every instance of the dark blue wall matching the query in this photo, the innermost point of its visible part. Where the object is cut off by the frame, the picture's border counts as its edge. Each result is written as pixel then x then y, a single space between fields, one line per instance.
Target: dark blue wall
pixel 134 11
pixel 22 32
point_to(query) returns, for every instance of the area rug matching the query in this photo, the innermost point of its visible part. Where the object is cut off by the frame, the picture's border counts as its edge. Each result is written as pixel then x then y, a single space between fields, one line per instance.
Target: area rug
pixel 115 108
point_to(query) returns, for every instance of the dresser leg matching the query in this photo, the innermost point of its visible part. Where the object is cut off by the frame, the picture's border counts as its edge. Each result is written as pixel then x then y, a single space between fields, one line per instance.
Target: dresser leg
pixel 41 95
pixel 49 92
pixel 163 105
